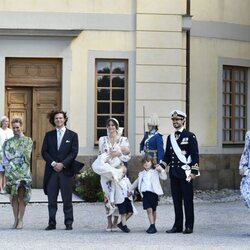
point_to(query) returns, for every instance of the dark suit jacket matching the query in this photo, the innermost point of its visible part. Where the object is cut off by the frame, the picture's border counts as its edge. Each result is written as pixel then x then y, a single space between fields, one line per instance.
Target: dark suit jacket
pixel 66 154
pixel 187 143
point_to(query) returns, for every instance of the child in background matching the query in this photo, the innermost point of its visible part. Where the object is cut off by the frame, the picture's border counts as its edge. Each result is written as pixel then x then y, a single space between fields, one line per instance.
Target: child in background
pixel 149 186
pixel 119 197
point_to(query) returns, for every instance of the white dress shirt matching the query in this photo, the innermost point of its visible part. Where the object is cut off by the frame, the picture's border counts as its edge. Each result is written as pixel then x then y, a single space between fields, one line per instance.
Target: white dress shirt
pixel 146 184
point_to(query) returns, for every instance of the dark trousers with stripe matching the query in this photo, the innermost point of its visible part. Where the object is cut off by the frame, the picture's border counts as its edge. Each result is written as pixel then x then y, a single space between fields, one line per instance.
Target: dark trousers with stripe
pixel 182 191
pixel 58 181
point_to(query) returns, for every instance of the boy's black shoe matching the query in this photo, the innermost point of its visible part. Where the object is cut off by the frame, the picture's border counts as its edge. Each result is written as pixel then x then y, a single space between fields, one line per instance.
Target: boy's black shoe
pixel 119 225
pixel 151 229
pixel 125 229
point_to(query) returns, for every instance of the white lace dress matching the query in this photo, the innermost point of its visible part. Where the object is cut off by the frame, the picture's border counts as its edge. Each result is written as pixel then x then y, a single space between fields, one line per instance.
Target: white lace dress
pixel 245 168
pixel 109 171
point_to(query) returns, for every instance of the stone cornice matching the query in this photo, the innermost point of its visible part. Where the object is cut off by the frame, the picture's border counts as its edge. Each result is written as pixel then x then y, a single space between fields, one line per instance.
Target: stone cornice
pixel 39 32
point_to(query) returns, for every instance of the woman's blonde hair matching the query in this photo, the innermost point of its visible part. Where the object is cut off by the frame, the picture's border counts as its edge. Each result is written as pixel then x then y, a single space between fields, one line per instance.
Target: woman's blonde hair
pixel 3 118
pixel 17 120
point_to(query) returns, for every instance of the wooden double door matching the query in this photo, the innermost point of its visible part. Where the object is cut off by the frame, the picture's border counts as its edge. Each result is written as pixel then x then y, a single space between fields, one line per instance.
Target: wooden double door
pixel 33 89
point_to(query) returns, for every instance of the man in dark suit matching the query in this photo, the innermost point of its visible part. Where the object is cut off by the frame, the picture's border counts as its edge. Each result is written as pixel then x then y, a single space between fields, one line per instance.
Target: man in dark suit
pixel 182 158
pixel 59 150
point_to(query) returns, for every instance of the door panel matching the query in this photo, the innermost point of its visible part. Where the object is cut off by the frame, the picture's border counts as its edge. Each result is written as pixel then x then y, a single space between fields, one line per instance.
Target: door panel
pixel 33 89
pixel 44 100
pixel 33 105
pixel 33 72
pixel 18 104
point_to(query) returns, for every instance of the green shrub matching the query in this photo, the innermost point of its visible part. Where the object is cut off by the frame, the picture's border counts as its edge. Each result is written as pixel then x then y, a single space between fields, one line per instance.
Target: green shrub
pixel 88 187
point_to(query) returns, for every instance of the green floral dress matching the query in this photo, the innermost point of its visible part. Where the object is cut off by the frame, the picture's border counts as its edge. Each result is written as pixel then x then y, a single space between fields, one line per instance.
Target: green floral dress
pixel 16 160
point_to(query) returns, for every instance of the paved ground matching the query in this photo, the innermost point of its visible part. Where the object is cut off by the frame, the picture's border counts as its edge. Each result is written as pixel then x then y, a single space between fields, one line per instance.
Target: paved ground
pixel 221 222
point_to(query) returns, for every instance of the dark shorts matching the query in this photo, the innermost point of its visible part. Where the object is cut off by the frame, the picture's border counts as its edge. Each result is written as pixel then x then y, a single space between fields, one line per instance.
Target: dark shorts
pixel 125 207
pixel 150 200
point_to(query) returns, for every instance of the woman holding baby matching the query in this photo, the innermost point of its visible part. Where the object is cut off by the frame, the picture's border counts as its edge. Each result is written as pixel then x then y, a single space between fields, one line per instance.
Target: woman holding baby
pixel 113 150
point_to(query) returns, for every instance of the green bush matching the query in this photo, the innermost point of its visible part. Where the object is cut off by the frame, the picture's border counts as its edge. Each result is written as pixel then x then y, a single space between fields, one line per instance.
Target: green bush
pixel 88 187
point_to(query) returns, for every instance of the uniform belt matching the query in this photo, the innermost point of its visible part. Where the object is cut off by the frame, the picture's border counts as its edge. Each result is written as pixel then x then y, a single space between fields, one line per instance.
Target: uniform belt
pixel 150 150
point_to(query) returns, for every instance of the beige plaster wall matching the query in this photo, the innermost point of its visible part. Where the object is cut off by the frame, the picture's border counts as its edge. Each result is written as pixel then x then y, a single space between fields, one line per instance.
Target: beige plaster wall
pixel 85 42
pixel 229 11
pixel 161 6
pixel 79 6
pixel 160 62
pixel 205 54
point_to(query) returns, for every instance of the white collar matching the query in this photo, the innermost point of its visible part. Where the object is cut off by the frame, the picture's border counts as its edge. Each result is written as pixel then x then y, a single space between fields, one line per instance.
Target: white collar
pixel 148 171
pixel 181 129
pixel 63 129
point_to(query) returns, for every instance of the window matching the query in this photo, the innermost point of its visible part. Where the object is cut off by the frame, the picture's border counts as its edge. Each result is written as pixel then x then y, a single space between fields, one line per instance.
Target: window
pixel 111 94
pixel 234 104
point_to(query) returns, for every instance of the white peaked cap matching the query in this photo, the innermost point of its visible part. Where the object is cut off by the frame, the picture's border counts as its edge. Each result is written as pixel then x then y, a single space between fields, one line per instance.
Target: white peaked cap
pixel 153 120
pixel 178 114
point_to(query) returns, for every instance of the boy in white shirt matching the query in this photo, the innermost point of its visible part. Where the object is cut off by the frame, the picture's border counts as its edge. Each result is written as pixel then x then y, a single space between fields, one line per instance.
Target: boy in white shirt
pixel 119 197
pixel 148 183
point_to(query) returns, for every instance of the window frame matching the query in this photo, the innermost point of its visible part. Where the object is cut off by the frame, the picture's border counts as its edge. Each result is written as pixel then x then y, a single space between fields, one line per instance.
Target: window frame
pixel 125 100
pixel 232 95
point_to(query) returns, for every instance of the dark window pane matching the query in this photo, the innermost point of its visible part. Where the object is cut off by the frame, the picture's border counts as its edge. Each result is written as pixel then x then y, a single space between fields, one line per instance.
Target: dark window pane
pixel 103 67
pixel 227 87
pixel 103 81
pixel 118 67
pixel 118 108
pixel 101 121
pixel 120 119
pixel 227 99
pixel 103 94
pixel 118 94
pixel 118 81
pixel 242 136
pixel 228 75
pixel 103 108
pixel 101 132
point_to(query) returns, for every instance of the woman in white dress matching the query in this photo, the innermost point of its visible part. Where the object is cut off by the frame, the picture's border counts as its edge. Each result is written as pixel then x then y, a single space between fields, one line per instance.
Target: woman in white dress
pixel 113 149
pixel 5 134
pixel 245 171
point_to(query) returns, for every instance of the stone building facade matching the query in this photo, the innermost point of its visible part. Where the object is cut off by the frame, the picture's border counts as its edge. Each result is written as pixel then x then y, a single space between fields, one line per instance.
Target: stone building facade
pixel 157 56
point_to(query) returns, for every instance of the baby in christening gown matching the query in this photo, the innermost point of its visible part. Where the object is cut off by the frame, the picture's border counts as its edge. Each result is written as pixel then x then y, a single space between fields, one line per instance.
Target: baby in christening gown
pixel 110 170
pixel 109 167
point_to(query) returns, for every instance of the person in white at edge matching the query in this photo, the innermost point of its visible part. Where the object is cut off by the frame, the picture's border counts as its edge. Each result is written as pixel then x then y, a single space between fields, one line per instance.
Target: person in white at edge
pixel 5 134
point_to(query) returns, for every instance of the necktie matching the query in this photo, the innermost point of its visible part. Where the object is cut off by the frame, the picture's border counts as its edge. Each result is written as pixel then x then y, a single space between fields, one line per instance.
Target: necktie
pixel 59 138
pixel 177 134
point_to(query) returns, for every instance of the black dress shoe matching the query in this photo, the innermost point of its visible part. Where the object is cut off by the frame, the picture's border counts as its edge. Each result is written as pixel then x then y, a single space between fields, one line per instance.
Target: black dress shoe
pixel 50 227
pixel 188 231
pixel 151 229
pixel 69 227
pixel 119 225
pixel 125 229
pixel 174 230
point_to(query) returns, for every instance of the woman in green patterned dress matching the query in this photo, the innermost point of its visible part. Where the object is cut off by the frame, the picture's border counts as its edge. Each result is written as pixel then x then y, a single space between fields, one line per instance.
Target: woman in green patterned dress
pixel 16 158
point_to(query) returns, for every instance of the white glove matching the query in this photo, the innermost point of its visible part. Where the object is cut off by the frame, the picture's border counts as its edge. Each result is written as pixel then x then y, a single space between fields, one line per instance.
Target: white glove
pixel 142 153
